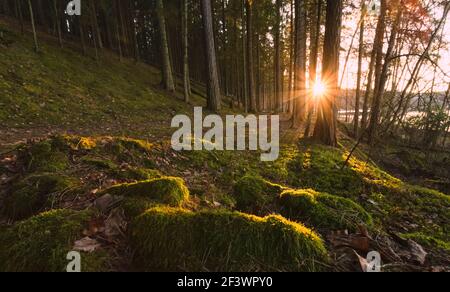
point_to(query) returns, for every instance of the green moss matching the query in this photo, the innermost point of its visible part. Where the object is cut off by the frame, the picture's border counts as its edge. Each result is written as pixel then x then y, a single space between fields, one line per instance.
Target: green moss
pixel 134 144
pixel 166 190
pixel 43 157
pixel 138 174
pixel 323 210
pixel 253 193
pixel 41 243
pixel 319 168
pixel 168 239
pixel 428 241
pixel 99 162
pixel 135 206
pixel 34 193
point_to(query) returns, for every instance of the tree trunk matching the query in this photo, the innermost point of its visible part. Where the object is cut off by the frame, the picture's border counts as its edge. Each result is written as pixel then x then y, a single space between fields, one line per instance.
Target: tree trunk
pixel 57 23
pixel 186 78
pixel 33 27
pixel 291 59
pixel 96 26
pixel 314 54
pixel 213 87
pixel 250 64
pixel 326 126
pixel 383 76
pixel 373 62
pixel 277 68
pixel 19 7
pixel 168 81
pixel 359 74
pixel 244 58
pixel 300 63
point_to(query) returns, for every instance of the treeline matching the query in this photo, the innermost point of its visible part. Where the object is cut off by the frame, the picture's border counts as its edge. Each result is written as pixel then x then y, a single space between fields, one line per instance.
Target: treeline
pixel 265 55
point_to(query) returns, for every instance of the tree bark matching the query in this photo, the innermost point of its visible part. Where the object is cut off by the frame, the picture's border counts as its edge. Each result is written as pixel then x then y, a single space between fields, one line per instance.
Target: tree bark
pixel 326 126
pixel 19 7
pixel 168 82
pixel 57 23
pixel 33 27
pixel 300 63
pixel 186 78
pixel 250 64
pixel 277 63
pixel 314 54
pixel 383 76
pixel 213 87
pixel 359 74
pixel 96 26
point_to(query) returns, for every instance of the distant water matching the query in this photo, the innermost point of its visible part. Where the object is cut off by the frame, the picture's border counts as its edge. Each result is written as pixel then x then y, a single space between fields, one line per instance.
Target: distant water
pixel 344 115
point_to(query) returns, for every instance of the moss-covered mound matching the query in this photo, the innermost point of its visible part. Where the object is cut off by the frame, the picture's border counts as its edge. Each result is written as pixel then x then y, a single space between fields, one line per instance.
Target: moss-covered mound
pixel 169 239
pixel 323 210
pixel 167 190
pixel 322 168
pixel 135 206
pixel 41 243
pixel 254 194
pixel 35 192
pixel 43 156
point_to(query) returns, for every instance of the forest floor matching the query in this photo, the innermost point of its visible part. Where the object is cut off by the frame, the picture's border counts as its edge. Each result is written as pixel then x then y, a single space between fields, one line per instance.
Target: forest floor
pixel 86 165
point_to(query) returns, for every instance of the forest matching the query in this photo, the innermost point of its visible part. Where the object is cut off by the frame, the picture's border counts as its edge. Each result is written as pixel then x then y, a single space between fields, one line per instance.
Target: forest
pixel 225 136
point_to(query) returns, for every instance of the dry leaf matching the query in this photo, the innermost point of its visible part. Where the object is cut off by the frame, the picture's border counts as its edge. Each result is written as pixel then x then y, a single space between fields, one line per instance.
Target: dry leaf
pixel 86 244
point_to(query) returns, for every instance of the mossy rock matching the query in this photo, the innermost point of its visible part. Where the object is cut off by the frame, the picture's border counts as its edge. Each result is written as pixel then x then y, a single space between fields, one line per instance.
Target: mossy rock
pixel 43 157
pixel 135 206
pixel 253 193
pixel 99 163
pixel 427 241
pixel 172 239
pixel 41 243
pixel 167 190
pixel 34 193
pixel 323 210
pixel 137 174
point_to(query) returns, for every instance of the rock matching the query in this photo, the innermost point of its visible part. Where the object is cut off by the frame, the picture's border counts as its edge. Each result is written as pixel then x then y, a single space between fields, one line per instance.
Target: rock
pixel 106 202
pixel 418 254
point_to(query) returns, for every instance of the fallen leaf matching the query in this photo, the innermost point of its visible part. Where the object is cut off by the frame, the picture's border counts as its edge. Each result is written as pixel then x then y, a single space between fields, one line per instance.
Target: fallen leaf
pixel 86 244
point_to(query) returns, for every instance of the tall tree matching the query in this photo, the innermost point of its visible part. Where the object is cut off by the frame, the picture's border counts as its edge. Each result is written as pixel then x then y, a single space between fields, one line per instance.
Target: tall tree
pixel 185 35
pixel 316 19
pixel 96 25
pixel 19 10
pixel 300 63
pixel 362 25
pixel 57 23
pixel 382 77
pixel 278 53
pixel 213 87
pixel 168 81
pixel 250 65
pixel 375 62
pixel 33 26
pixel 326 125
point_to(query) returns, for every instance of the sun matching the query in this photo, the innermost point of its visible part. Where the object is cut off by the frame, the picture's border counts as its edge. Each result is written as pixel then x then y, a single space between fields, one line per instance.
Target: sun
pixel 319 89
